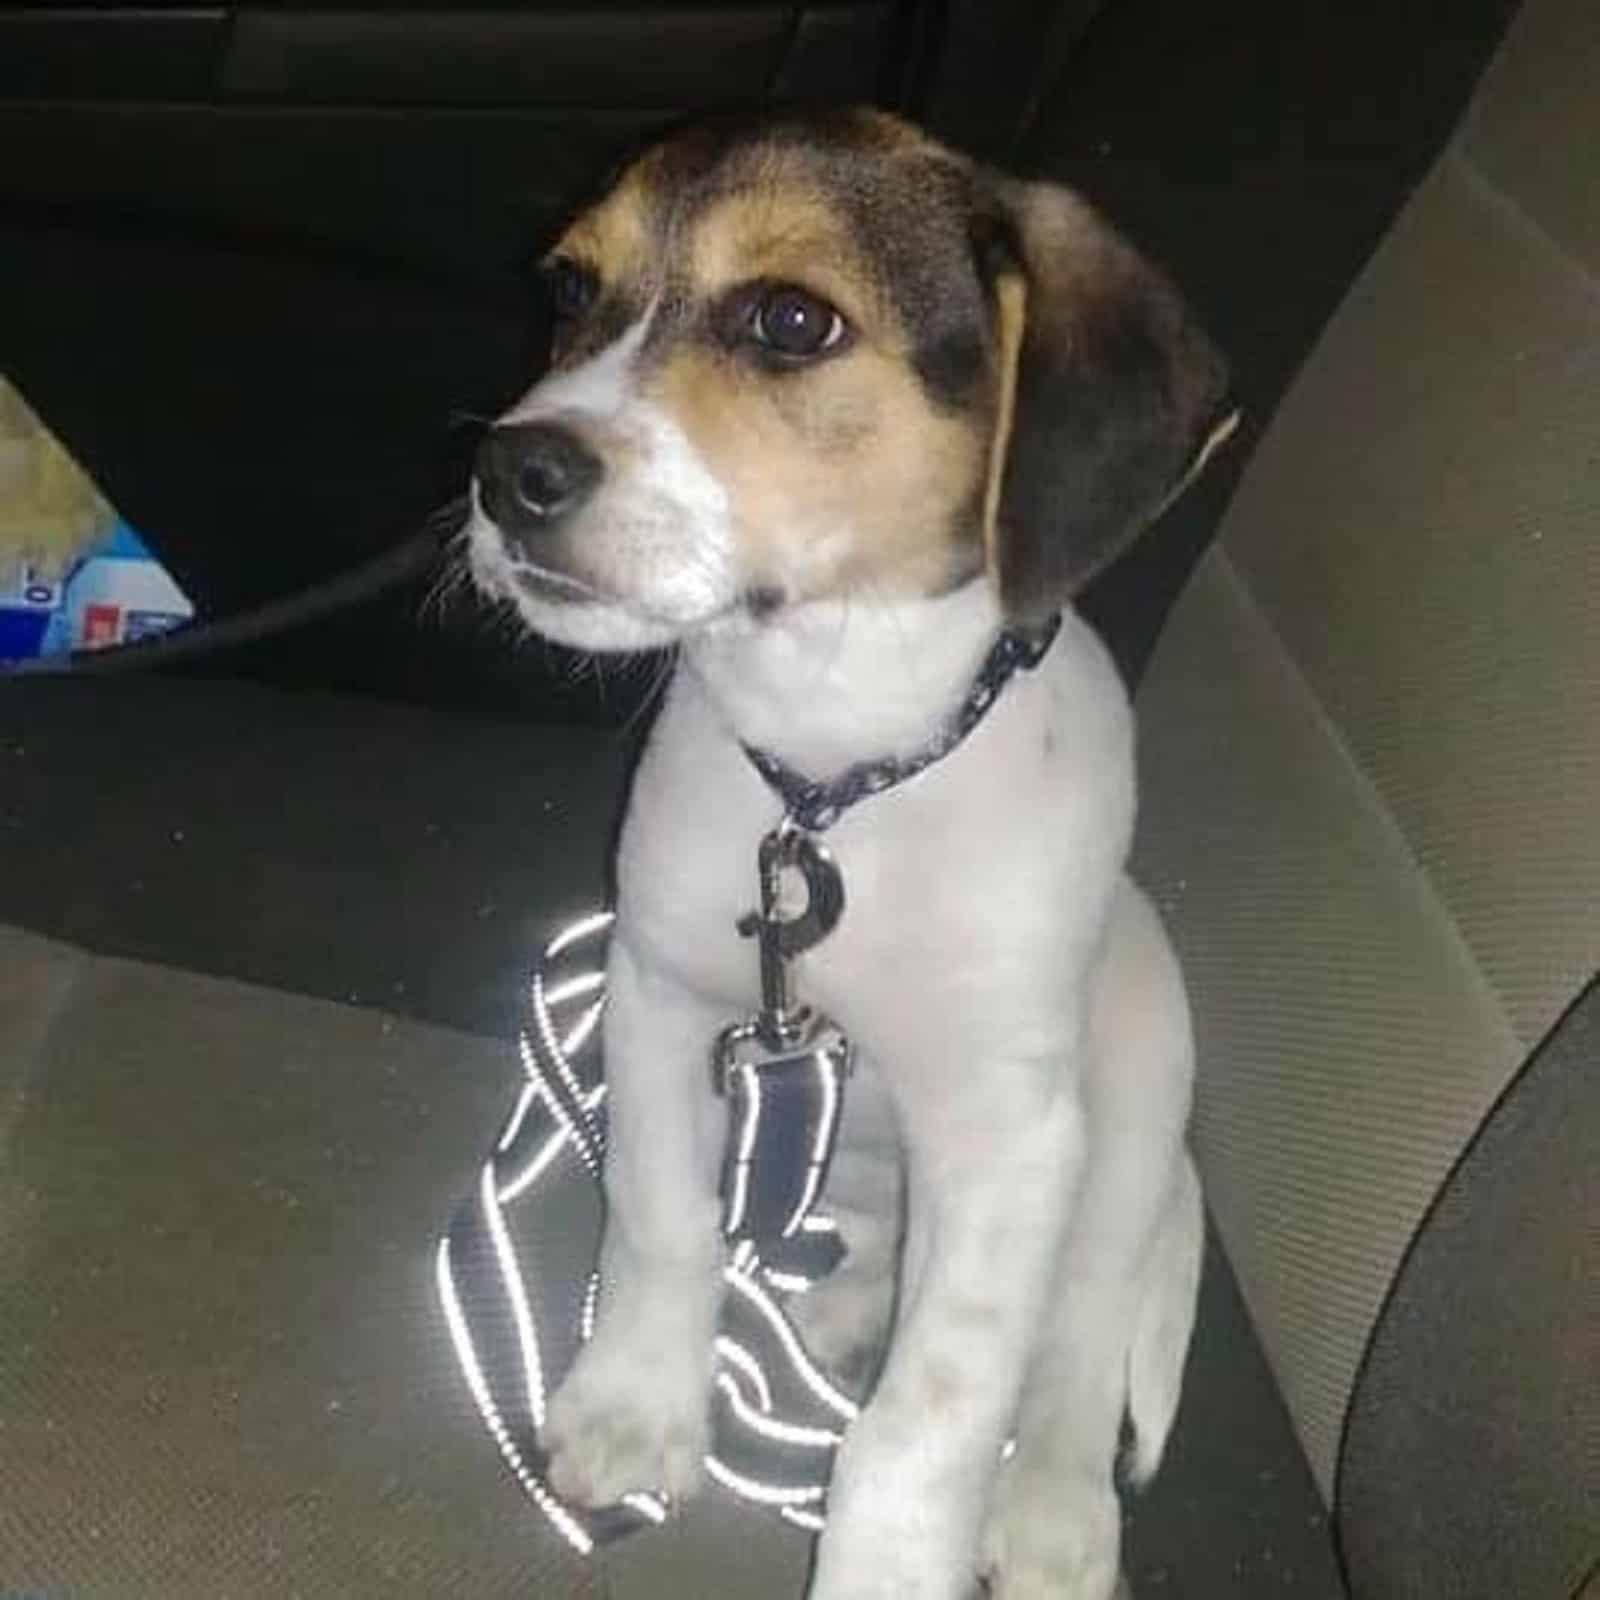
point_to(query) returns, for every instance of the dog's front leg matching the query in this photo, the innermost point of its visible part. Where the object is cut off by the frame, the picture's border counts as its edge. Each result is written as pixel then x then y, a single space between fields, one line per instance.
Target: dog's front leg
pixel 634 1411
pixel 993 1153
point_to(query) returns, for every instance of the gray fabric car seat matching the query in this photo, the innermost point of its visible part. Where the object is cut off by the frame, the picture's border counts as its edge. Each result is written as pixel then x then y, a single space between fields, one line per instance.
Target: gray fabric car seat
pixel 1371 754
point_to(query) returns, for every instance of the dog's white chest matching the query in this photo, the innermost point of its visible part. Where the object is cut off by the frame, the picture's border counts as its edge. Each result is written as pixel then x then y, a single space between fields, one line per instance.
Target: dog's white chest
pixel 969 883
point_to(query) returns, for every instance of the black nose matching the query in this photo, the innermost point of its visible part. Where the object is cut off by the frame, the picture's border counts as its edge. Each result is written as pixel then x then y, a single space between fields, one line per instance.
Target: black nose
pixel 532 474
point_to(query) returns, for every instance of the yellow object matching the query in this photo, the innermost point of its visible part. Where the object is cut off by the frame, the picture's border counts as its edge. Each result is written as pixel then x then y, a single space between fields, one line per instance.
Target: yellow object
pixel 50 510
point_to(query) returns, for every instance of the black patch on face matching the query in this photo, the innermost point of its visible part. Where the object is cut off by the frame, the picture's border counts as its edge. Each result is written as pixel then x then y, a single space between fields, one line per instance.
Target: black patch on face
pixel 952 365
pixel 909 217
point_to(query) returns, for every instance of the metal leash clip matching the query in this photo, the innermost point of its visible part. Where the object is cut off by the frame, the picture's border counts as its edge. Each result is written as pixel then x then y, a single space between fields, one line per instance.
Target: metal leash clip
pixel 782 1070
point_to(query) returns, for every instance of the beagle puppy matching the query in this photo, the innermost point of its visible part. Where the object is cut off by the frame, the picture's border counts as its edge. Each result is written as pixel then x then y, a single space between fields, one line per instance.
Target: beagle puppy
pixel 830 408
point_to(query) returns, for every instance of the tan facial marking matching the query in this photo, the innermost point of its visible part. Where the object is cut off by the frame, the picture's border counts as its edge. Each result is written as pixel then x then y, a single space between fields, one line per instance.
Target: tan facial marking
pixel 614 236
pixel 841 477
pixel 779 231
pixel 1011 313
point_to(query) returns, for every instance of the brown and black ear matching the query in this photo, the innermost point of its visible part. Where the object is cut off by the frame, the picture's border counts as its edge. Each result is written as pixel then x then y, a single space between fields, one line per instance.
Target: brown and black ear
pixel 1111 398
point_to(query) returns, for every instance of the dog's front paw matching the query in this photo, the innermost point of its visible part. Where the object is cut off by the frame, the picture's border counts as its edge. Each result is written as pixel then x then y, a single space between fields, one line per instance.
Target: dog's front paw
pixel 630 1416
pixel 1051 1538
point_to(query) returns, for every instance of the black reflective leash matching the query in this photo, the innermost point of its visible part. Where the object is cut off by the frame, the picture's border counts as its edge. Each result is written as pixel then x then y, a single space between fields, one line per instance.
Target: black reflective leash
pixel 776 1417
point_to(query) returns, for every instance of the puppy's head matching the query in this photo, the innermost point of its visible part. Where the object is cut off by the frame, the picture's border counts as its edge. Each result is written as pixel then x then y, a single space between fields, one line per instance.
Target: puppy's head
pixel 808 356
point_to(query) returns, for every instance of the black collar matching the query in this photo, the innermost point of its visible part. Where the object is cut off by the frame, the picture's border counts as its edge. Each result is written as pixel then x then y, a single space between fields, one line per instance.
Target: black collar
pixel 816 806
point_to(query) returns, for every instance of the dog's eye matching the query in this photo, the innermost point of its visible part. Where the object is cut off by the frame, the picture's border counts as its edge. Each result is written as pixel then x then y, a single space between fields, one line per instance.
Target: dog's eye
pixel 795 324
pixel 572 287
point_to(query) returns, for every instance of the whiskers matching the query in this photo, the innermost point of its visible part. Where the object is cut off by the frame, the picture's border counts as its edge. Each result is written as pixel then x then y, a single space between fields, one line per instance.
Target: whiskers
pixel 451 516
pixel 620 671
pixel 661 664
pixel 453 580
